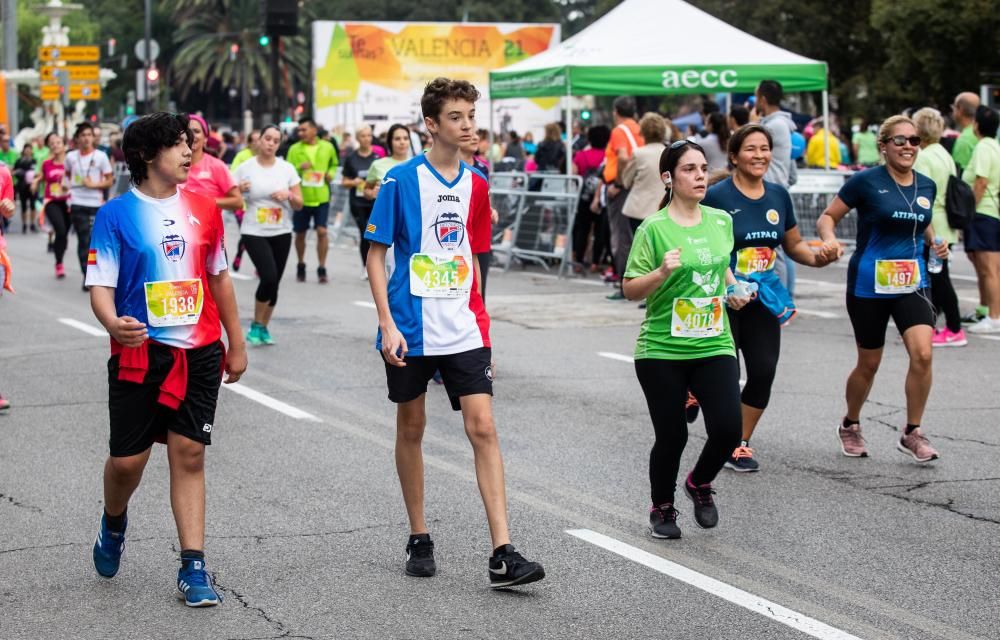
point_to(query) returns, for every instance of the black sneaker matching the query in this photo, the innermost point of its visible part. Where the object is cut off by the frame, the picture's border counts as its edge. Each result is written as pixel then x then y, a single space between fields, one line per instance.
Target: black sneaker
pixel 742 460
pixel 705 513
pixel 509 568
pixel 972 317
pixel 321 274
pixel 663 522
pixel 420 556
pixel 300 272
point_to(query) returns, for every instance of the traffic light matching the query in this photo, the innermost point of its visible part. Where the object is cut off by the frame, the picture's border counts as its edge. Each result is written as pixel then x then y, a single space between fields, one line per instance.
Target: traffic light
pixel 153 75
pixel 264 40
pixel 111 46
pixel 233 50
pixel 585 114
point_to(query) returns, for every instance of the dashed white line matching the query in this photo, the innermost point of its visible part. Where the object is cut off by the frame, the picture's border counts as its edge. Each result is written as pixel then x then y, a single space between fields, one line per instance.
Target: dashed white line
pixel 239 276
pixel 271 403
pixel 819 314
pixel 976 335
pixel 241 389
pixel 367 304
pixel 89 329
pixel 616 356
pixel 766 608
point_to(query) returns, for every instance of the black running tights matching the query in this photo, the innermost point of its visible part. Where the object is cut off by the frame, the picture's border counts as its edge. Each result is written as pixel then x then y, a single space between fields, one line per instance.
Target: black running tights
pixel 944 297
pixel 269 256
pixel 757 334
pixel 57 213
pixel 715 382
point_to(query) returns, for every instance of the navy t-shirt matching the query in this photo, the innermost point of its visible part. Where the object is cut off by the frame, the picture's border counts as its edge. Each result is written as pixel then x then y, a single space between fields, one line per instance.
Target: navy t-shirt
pixel 891 223
pixel 759 225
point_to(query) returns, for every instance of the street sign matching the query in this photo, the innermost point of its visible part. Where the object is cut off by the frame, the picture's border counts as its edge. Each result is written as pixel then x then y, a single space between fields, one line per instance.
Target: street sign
pixel 90 91
pixel 82 53
pixel 140 49
pixel 83 72
pixel 50 92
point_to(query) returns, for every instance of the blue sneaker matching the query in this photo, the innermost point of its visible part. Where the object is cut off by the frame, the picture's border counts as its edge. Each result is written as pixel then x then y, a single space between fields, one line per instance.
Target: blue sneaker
pixel 253 336
pixel 264 334
pixel 108 549
pixel 195 586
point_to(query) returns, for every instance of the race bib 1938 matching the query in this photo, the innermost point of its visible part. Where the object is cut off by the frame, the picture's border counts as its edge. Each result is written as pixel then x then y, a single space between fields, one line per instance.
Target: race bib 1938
pixel 697 317
pixel 170 303
pixel 896 276
pixel 754 259
pixel 440 276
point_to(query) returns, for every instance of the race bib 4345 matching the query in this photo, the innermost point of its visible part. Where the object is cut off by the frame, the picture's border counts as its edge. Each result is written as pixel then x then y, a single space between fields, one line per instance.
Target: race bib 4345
pixel 440 276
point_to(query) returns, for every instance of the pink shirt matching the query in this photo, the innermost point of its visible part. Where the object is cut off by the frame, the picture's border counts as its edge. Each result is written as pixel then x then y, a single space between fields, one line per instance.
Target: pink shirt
pixel 6 193
pixel 588 159
pixel 209 177
pixel 52 176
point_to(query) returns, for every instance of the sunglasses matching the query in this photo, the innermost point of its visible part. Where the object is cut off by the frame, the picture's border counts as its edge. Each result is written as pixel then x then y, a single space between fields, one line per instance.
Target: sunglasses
pixel 681 143
pixel 900 140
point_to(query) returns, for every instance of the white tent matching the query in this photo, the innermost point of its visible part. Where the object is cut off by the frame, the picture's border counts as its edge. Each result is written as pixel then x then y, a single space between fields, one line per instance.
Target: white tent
pixel 657 47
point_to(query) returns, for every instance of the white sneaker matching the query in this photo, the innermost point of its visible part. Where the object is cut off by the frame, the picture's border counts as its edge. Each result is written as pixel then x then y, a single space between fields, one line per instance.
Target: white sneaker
pixel 986 325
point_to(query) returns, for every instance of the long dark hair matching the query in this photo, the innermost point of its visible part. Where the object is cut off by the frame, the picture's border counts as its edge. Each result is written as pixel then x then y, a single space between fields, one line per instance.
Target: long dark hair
pixel 668 162
pixel 720 127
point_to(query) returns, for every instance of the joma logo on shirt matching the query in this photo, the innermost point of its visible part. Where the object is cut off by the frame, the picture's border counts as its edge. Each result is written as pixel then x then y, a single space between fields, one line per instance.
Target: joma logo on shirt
pixel 757 235
pixel 907 215
pixel 447 197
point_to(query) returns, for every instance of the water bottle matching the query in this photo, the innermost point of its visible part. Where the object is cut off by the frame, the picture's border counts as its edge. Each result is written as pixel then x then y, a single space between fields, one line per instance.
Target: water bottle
pixel 742 289
pixel 934 263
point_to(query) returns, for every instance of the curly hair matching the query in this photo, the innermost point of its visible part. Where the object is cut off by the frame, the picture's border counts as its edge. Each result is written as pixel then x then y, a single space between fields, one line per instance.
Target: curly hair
pixel 147 136
pixel 440 90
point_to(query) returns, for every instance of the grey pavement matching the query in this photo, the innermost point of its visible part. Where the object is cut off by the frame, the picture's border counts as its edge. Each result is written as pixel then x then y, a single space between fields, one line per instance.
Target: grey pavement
pixel 306 526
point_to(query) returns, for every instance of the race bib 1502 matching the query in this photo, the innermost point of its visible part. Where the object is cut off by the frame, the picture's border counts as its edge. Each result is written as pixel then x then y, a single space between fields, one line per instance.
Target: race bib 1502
pixel 896 276
pixel 754 259
pixel 170 303
pixel 697 317
pixel 440 276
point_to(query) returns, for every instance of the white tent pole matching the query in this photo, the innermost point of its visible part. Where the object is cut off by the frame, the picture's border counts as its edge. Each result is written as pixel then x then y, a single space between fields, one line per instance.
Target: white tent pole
pixel 569 128
pixel 489 150
pixel 826 128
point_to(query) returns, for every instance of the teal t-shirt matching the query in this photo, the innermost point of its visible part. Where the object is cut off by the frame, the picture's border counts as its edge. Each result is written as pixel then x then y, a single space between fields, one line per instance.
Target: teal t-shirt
pixel 867 148
pixel 985 163
pixel 686 317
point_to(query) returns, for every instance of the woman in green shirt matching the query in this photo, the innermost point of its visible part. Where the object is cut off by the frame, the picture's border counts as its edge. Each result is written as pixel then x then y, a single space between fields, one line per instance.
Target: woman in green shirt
pixel 679 264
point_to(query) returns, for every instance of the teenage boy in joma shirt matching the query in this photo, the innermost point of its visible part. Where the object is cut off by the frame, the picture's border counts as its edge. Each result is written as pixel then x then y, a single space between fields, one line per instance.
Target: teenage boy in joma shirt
pixel 159 285
pixel 431 217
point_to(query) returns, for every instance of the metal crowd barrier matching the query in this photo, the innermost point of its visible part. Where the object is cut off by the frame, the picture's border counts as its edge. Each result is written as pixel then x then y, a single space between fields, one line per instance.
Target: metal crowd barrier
pixel 812 194
pixel 535 225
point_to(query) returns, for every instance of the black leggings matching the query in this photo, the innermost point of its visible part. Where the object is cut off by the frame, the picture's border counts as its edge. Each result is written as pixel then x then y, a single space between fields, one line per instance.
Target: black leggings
pixel 57 213
pixel 269 255
pixel 360 216
pixel 484 268
pixel 715 381
pixel 943 295
pixel 83 223
pixel 757 334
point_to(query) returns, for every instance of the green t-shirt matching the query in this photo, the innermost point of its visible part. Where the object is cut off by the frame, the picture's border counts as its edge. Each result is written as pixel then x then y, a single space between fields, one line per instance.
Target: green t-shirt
pixel 985 163
pixel 242 156
pixel 964 144
pixel 692 300
pixel 9 157
pixel 379 168
pixel 867 148
pixel 315 180
pixel 934 162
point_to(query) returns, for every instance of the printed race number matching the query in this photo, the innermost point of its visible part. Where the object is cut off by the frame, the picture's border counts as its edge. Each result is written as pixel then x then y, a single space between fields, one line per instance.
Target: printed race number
pixel 170 303
pixel 697 318
pixel 896 276
pixel 440 276
pixel 754 259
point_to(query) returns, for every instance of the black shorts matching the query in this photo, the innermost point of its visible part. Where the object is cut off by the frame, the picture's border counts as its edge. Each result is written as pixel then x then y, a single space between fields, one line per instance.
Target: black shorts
pixel 464 374
pixel 138 419
pixel 982 234
pixel 870 316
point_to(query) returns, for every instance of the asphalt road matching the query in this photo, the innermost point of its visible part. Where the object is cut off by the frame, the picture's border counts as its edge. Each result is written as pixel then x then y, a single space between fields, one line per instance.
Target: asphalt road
pixel 306 526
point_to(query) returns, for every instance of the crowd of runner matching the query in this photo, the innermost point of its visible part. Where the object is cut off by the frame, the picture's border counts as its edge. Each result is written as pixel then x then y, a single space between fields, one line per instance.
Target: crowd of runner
pixel 701 229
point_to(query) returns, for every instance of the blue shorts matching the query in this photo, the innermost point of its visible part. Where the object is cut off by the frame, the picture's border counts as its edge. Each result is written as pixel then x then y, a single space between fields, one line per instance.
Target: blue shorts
pixel 319 215
pixel 983 234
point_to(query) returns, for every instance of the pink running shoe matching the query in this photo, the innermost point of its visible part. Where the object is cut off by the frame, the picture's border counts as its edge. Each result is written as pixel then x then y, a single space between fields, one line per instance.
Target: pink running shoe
pixel 917 446
pixel 948 338
pixel 851 442
pixel 60 272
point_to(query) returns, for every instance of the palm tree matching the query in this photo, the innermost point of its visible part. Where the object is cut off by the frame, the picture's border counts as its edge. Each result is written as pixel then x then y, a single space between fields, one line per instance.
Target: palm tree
pixel 204 62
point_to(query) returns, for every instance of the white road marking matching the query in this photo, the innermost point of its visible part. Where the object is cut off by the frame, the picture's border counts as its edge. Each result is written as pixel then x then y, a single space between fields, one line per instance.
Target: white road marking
pixel 89 329
pixel 236 387
pixel 367 304
pixel 819 314
pixel 976 335
pixel 621 357
pixel 553 276
pixel 616 356
pixel 271 403
pixel 747 600
pixel 239 276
